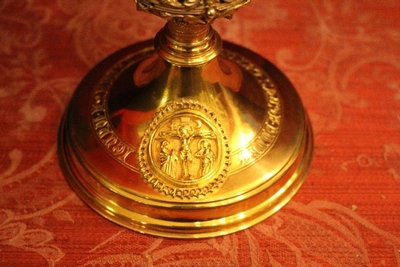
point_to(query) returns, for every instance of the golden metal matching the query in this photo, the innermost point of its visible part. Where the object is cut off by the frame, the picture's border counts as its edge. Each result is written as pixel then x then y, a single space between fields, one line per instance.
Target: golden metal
pixel 181 138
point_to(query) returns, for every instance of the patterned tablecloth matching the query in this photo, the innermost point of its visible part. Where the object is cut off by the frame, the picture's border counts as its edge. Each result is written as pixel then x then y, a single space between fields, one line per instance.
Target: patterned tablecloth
pixel 342 56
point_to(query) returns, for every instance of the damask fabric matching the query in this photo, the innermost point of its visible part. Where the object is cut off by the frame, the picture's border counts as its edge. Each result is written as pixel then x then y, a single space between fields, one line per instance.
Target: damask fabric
pixel 342 56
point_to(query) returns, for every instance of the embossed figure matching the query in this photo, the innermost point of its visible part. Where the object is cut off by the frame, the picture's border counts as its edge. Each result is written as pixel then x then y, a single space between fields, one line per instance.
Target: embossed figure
pixel 168 159
pixel 186 153
pixel 206 155
pixel 185 132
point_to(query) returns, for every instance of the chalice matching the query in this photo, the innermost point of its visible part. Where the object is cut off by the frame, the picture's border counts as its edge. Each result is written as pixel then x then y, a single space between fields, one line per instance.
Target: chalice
pixel 185 136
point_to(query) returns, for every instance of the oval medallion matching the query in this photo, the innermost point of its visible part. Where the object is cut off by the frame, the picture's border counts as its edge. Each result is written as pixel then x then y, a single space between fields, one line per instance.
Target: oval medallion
pixel 184 152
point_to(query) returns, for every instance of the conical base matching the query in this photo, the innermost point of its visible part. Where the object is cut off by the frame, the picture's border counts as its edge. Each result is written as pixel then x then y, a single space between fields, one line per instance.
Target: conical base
pixel 185 152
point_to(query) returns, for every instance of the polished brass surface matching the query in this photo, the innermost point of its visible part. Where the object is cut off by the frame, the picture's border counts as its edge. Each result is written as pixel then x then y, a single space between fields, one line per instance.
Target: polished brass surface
pixel 181 138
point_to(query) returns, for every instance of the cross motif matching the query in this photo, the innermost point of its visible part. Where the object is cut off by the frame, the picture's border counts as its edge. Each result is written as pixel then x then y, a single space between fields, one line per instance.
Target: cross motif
pixel 186 130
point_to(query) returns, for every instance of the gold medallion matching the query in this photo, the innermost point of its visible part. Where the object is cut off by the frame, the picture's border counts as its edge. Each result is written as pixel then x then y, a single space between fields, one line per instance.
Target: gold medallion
pixel 185 152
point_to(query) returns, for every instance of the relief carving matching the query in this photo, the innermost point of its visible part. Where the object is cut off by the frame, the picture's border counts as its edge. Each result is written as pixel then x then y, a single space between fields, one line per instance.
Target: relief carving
pixel 184 148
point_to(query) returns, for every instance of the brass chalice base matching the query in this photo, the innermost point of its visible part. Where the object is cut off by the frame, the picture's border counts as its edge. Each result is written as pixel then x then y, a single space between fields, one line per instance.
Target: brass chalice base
pixel 184 139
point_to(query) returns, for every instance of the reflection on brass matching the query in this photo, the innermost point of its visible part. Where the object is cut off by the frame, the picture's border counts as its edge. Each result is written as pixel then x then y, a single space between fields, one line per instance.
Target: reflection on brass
pixel 180 138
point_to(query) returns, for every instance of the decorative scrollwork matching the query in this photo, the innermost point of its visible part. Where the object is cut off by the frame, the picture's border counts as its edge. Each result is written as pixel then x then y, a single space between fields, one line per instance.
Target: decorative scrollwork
pixel 179 4
pixel 192 11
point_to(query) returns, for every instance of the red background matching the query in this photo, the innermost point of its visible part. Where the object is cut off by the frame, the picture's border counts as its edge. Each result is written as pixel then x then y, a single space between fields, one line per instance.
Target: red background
pixel 342 56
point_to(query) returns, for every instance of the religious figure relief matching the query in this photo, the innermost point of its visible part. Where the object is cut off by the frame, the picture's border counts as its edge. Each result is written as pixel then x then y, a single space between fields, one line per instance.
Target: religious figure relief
pixel 184 152
pixel 185 131
pixel 206 155
pixel 168 159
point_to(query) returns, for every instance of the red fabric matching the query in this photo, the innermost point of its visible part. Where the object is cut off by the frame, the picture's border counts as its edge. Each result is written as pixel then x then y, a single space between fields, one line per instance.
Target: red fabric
pixel 342 56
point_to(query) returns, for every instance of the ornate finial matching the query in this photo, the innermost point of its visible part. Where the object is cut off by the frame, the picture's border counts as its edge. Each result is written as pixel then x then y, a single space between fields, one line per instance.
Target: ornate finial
pixel 191 11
